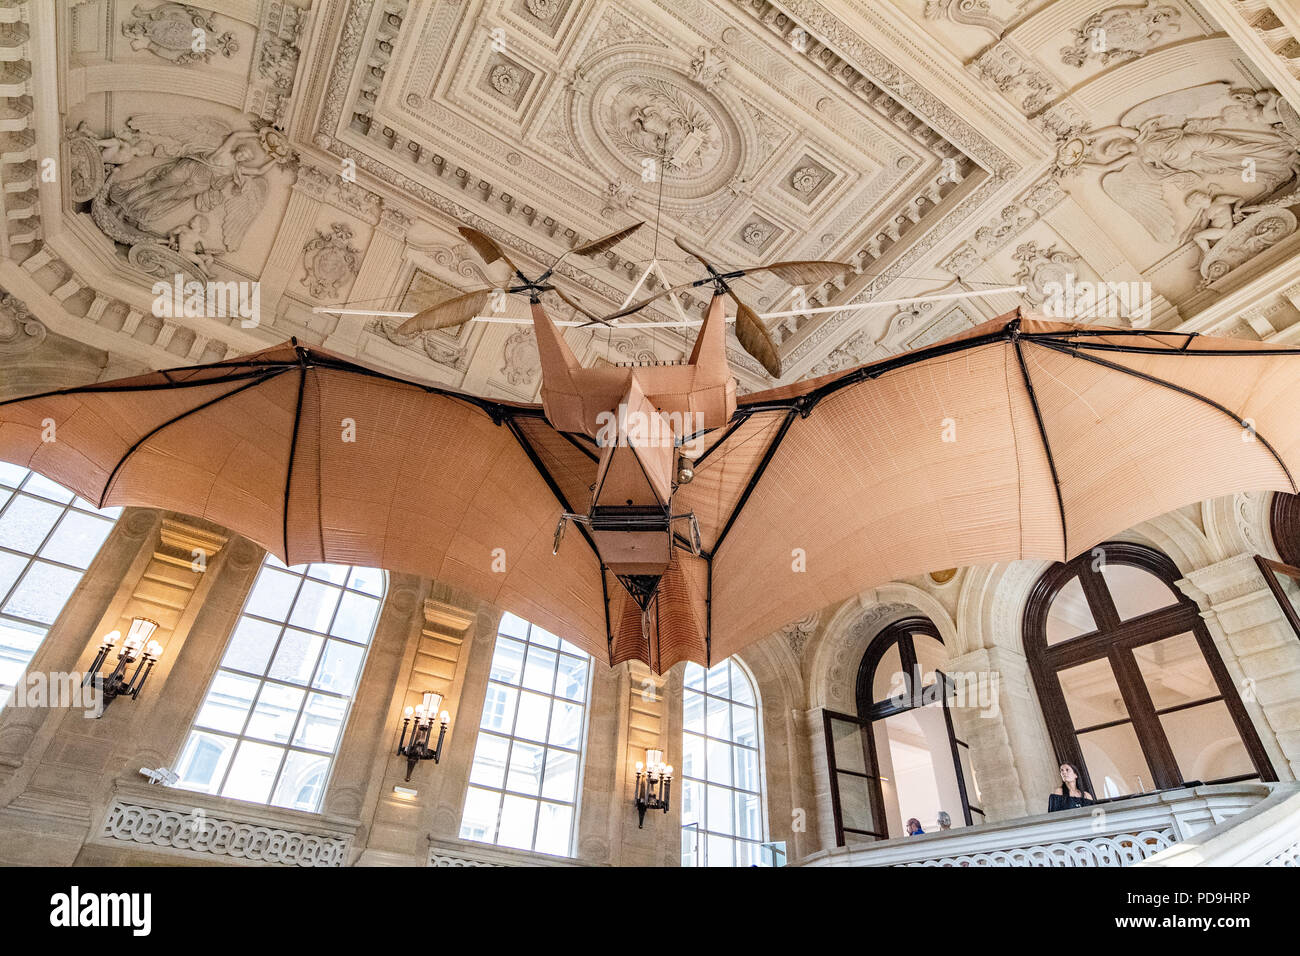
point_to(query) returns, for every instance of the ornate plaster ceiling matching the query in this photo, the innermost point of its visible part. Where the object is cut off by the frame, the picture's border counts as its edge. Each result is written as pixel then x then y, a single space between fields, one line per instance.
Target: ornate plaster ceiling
pixel 327 149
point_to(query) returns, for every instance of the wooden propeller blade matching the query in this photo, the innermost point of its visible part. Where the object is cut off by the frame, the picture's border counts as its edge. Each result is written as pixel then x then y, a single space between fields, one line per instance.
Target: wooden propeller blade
pixel 486 247
pixel 638 306
pixel 575 304
pixel 805 271
pixel 446 314
pixel 691 251
pixel 754 337
pixel 597 246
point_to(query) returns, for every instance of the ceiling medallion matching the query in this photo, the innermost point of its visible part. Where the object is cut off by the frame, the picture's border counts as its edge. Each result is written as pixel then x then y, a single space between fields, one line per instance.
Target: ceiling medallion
pixel 642 118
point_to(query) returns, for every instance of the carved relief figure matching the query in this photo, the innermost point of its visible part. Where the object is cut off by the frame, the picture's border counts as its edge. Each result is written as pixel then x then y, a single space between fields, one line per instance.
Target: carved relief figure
pixel 214 168
pixel 161 183
pixel 1162 143
pixel 653 117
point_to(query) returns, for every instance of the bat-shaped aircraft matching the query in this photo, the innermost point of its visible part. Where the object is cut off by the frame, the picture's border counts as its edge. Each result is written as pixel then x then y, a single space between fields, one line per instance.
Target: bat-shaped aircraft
pixel 706 521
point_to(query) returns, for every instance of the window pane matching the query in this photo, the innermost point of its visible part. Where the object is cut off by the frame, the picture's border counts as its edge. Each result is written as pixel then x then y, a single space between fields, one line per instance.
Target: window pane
pixel 1069 615
pixel 42 592
pixel 356 613
pixel 253 772
pixel 340 667
pixel 525 775
pixel 508 661
pixel 561 775
pixel 480 819
pixel 539 669
pixel 855 803
pixel 1092 694
pixel 203 762
pixel 490 755
pixel 535 704
pixel 566 725
pixel 269 701
pixel 518 819
pixel 77 539
pixel 26 523
pixel 314 608
pixel 275 713
pixel 1115 762
pixel 296 657
pixel 322 722
pixel 1175 671
pixel 227 704
pixel 272 594
pixel 251 645
pixel 302 781
pixel 1206 744
pixel 1135 591
pixel 554 829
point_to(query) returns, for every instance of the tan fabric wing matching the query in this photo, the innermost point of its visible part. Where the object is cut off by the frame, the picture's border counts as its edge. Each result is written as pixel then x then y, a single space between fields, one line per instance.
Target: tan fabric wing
pixel 1021 439
pixel 866 489
pixel 384 473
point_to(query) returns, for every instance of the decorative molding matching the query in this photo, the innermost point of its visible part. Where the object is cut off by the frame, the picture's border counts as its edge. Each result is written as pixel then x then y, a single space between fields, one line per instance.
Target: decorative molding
pixel 329 260
pixel 169 31
pixel 1119 34
pixel 206 833
pixel 1119 850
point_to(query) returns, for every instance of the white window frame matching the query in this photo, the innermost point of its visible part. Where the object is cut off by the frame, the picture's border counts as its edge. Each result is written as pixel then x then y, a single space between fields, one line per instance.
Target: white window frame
pixel 75 504
pixel 699 827
pixel 288 747
pixel 564 647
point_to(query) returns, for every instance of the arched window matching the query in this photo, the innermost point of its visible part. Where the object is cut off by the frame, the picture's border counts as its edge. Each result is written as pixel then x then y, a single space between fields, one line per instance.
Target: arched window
pixel 900 757
pixel 527 770
pixel 1131 685
pixel 722 769
pixel 48 537
pixel 270 724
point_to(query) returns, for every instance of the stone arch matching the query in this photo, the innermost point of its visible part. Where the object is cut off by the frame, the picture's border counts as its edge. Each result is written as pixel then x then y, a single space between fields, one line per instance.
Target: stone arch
pixel 834 658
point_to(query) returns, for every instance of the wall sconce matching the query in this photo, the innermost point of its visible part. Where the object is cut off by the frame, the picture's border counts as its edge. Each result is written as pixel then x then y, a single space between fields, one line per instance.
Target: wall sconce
pixel 138 649
pixel 654 782
pixel 418 747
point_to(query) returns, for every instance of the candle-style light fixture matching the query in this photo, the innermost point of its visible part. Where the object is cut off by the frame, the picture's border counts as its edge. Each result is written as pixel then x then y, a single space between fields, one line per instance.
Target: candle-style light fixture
pixel 423 715
pixel 139 648
pixel 654 783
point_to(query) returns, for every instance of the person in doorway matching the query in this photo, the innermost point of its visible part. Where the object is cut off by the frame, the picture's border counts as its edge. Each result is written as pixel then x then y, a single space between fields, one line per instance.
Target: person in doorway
pixel 944 821
pixel 1071 795
pixel 914 827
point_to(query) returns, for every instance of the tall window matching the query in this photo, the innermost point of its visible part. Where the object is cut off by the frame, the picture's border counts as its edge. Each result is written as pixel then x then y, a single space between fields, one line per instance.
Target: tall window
pixel 1130 681
pixel 48 537
pixel 900 757
pixel 527 769
pixel 722 796
pixel 268 729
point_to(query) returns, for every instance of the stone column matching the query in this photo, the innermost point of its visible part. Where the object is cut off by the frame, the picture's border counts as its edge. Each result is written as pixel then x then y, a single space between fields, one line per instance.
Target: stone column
pixel 448 650
pixel 1000 717
pixel 71 774
pixel 1259 650
pixel 284 265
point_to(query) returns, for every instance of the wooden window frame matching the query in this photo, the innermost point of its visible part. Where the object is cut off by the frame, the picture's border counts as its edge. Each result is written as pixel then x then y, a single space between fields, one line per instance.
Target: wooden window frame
pixel 1115 640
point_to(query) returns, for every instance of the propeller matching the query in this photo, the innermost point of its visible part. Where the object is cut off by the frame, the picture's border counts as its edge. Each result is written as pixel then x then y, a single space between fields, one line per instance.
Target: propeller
pixel 462 308
pixel 750 331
